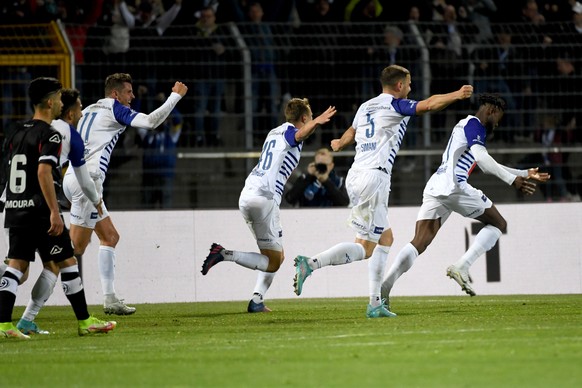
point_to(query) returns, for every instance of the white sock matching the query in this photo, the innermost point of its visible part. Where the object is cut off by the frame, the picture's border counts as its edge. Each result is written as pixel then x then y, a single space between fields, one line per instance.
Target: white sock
pixel 402 263
pixel 106 262
pixel 42 290
pixel 484 241
pixel 376 266
pixel 342 253
pixel 264 280
pixel 251 260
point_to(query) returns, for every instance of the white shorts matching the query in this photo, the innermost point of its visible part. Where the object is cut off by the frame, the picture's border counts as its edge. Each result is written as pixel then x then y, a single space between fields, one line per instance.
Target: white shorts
pixel 263 219
pixel 83 212
pixel 369 191
pixel 467 201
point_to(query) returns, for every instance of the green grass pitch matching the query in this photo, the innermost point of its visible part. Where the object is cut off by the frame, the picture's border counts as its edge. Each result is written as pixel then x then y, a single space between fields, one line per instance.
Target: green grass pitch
pixel 486 341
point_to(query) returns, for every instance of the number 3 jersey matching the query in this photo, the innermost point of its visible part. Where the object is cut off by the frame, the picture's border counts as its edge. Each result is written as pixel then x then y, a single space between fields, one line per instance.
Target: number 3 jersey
pixel 380 125
pixel 279 157
pixel 33 143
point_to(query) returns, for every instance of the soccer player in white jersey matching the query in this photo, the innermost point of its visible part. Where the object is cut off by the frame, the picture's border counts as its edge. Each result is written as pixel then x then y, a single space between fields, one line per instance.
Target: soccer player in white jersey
pixel 378 128
pixel 261 197
pixel 100 127
pixel 72 150
pixel 448 191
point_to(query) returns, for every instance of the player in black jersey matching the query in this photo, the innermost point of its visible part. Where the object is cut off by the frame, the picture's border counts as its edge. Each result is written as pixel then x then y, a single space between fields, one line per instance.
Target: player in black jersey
pixel 32 212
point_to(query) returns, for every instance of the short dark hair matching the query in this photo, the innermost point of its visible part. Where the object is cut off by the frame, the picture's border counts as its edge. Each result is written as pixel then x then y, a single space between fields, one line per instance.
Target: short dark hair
pixel 492 99
pixel 41 88
pixel 69 98
pixel 116 81
pixel 393 74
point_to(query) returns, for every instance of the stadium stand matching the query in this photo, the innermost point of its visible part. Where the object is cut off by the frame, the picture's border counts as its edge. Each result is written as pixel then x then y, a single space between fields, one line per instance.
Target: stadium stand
pixel 536 66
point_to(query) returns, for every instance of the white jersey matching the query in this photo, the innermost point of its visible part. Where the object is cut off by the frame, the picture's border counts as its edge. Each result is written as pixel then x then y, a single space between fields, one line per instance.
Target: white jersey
pixel 280 156
pixel 100 127
pixel 103 122
pixel 380 125
pixel 458 161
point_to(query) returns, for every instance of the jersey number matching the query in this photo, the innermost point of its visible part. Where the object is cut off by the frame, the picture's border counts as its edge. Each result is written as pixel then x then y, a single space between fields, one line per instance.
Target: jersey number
pixel 370 131
pixel 88 129
pixel 267 155
pixel 17 182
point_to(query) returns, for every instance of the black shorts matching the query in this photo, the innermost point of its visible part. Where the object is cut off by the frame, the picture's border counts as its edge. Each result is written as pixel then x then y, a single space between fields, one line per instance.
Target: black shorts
pixel 24 242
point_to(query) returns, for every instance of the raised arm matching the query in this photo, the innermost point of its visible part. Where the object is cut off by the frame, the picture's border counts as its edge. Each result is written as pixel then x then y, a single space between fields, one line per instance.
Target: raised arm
pixel 157 117
pixel 440 101
pixel 347 138
pixel 309 128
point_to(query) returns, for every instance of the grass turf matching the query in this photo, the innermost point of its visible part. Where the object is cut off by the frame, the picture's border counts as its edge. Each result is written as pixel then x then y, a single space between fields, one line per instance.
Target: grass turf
pixel 487 341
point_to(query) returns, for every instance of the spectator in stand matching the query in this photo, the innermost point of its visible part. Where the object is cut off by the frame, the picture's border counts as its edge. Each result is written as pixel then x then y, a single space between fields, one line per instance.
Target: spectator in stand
pixel 265 87
pixel 535 45
pixel 392 50
pixel 565 93
pixel 159 159
pixel 448 64
pixel 318 18
pixel 147 23
pixel 497 68
pixel 107 46
pixel 551 136
pixel 363 11
pixel 209 40
pixel 320 186
pixel 479 13
pixel 571 32
pixel 318 11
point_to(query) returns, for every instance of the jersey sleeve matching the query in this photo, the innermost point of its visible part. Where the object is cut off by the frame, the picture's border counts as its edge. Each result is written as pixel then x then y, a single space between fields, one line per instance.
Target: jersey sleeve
pixel 77 151
pixel 475 133
pixel 50 148
pixel 290 136
pixel 123 114
pixel 405 106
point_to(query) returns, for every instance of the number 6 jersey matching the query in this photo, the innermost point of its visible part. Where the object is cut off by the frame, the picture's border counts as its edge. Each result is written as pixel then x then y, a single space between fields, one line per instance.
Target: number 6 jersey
pixel 33 143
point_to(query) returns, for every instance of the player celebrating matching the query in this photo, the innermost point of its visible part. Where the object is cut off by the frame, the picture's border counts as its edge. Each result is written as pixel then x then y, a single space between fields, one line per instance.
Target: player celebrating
pixel 448 191
pixel 378 129
pixel 261 197
pixel 100 127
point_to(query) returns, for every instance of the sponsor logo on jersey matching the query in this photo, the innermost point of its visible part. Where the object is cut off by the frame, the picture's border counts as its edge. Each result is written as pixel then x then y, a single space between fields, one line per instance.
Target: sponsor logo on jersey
pixel 280 233
pixel 484 198
pixel 378 230
pixel 55 138
pixel 358 225
pixel 264 239
pixel 94 215
pixel 19 204
pixel 56 250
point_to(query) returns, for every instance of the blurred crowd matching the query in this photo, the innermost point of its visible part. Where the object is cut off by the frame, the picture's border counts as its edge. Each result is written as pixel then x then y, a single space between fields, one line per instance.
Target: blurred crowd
pixel 529 51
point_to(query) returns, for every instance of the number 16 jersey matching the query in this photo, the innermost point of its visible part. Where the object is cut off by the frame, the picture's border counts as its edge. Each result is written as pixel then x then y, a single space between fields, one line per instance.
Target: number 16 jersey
pixel 279 157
